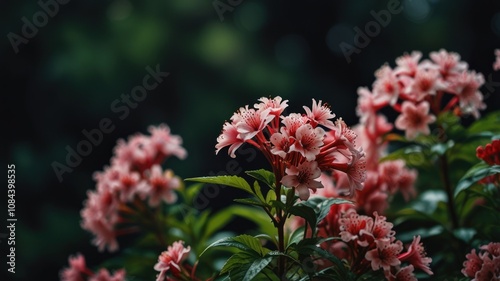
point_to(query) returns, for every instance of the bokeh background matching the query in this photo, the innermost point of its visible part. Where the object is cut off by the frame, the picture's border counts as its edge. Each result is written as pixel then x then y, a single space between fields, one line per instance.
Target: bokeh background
pixel 65 78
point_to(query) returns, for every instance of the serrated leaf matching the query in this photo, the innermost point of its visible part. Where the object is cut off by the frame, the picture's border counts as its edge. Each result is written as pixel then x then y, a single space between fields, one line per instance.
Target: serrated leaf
pixel 475 174
pixel 264 176
pixel 233 181
pixel 243 242
pixel 258 192
pixel 236 260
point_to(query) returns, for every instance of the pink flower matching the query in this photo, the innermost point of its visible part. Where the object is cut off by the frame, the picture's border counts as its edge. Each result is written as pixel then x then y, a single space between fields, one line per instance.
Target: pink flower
pixel 293 122
pixel 356 172
pixel 320 114
pixel 387 85
pixel 303 178
pixel 414 119
pixel 277 105
pixel 492 248
pixel 372 198
pixel 353 227
pixel 137 153
pixel 160 186
pixel 165 143
pixel 77 268
pixel 490 270
pixel 466 87
pixel 124 181
pixel 406 182
pixel 486 265
pixel 171 260
pixel 249 122
pixel 449 63
pixel 425 83
pixel 78 271
pixel 496 64
pixel 104 275
pixel 408 64
pixel 404 274
pixel 389 172
pixel 416 256
pixel 308 141
pixel 472 265
pixel 281 143
pixel 381 228
pixel 229 137
pixel 385 254
pixel 100 214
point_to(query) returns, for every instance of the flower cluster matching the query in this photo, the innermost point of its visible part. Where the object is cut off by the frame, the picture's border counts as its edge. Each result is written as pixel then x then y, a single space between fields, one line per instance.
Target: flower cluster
pixel 490 154
pixel 383 179
pixel 370 243
pixel 298 146
pixel 78 271
pixel 171 261
pixel 484 266
pixel 135 175
pixel 420 90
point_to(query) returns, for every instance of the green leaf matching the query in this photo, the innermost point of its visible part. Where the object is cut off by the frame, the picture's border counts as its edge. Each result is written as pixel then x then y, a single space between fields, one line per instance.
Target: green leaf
pixel 442 148
pixel 315 209
pixel 258 192
pixel 217 222
pixel 255 215
pixel 264 176
pixel 486 123
pixel 296 236
pixel 254 271
pixel 233 181
pixel 257 266
pixel 413 155
pixel 271 196
pixel 321 205
pixel 251 201
pixel 243 242
pixel 237 260
pixel 465 234
pixel 476 173
pixel 305 212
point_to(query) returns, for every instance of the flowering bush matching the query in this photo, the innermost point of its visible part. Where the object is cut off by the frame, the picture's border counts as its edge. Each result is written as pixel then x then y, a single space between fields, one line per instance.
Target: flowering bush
pixel 398 196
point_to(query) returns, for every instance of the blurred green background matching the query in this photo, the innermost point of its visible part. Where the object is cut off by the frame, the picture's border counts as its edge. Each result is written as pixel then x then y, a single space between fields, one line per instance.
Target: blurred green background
pixel 66 77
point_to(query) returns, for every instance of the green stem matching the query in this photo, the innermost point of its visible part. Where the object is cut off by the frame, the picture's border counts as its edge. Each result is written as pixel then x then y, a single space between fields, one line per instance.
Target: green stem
pixel 281 234
pixel 445 177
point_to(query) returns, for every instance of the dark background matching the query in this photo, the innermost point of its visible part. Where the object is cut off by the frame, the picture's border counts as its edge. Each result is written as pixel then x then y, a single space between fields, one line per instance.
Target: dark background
pixel 65 78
